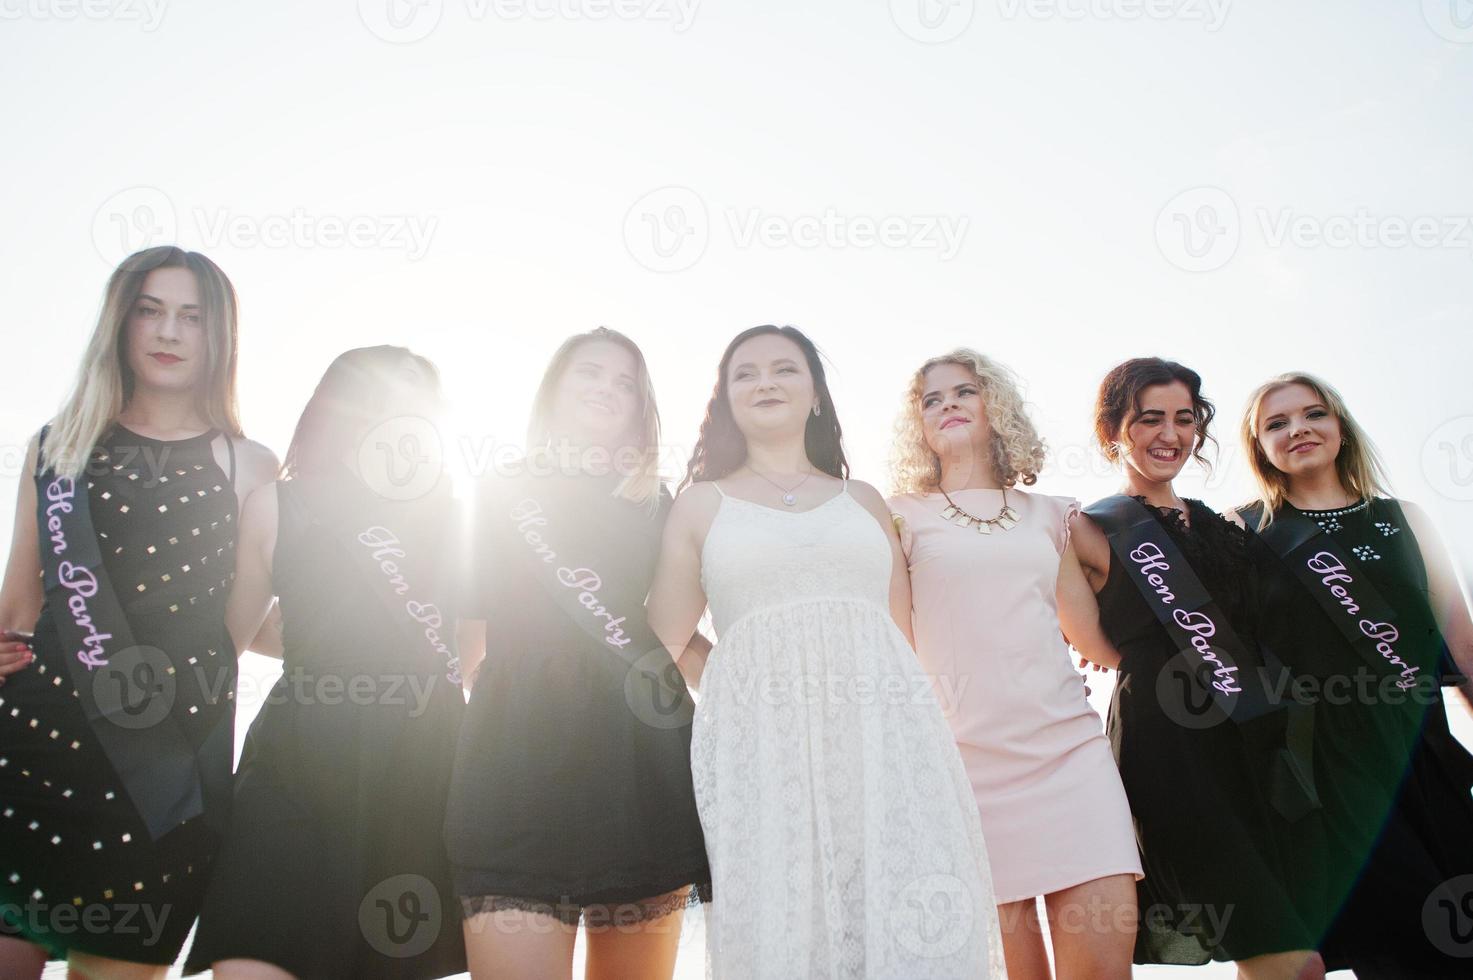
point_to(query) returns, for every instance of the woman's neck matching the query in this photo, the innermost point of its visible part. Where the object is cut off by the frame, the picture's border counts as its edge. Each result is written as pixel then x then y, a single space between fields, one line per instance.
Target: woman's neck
pixel 162 414
pixel 1320 489
pixel 786 457
pixel 967 471
pixel 1157 494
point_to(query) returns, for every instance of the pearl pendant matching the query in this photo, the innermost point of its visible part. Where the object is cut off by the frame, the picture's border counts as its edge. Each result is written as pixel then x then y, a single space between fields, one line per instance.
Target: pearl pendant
pixel 789 499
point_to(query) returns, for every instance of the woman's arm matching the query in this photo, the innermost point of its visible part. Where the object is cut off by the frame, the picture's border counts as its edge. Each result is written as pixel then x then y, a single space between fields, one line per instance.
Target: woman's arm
pixel 251 595
pixel 21 595
pixel 1445 593
pixel 900 600
pixel 677 600
pixel 1079 613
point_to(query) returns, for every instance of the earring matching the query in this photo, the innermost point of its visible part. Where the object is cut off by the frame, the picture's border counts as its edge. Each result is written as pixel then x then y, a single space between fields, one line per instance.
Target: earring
pixel 816 412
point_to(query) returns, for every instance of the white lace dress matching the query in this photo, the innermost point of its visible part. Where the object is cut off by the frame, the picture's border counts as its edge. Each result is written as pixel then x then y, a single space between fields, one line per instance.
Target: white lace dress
pixel 841 828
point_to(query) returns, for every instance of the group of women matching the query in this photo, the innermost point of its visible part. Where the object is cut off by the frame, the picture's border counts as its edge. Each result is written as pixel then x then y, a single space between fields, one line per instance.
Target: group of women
pixel 890 684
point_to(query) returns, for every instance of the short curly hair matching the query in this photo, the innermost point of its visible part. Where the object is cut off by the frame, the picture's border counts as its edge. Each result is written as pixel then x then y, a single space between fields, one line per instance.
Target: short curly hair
pixel 1017 451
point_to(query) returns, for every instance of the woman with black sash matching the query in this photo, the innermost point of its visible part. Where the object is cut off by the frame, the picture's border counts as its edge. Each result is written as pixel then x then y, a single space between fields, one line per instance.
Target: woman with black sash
pixel 572 794
pixel 1361 601
pixel 116 740
pixel 1207 762
pixel 335 866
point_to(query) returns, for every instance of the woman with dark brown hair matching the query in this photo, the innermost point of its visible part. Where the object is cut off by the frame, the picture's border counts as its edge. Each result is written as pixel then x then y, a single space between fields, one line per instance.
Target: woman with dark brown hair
pixel 334 866
pixel 1217 791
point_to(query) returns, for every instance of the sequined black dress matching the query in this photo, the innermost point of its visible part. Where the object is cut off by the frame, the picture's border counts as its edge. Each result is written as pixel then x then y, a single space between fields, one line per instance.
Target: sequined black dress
pixel 78 868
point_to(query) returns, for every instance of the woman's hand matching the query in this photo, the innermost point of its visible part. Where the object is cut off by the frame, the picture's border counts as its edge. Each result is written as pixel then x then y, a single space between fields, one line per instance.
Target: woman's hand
pixel 15 652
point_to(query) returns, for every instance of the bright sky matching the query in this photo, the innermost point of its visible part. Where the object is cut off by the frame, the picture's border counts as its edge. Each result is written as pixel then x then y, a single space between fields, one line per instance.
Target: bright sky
pixel 1248 188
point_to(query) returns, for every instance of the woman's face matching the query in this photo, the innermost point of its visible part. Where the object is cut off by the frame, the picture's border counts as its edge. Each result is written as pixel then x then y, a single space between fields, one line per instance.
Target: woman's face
pixel 1160 437
pixel 953 416
pixel 769 387
pixel 165 333
pixel 1297 431
pixel 596 401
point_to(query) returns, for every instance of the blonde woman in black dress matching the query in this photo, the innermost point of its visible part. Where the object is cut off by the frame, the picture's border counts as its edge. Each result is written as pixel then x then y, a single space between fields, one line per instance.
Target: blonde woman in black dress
pixel 116 741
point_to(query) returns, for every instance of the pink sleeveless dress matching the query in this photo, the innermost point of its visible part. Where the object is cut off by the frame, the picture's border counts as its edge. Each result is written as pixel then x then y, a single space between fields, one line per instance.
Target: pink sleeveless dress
pixel 987 631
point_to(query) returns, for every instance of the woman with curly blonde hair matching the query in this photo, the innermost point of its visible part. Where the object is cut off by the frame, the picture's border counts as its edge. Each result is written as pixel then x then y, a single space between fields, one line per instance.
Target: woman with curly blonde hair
pixel 986 564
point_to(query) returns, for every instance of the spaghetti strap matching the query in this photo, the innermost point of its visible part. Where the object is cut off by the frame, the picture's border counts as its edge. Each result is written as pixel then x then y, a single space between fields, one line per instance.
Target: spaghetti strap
pixel 718 488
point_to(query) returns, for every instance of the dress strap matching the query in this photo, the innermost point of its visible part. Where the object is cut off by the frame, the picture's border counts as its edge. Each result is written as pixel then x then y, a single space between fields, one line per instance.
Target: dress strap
pixel 718 488
pixel 229 453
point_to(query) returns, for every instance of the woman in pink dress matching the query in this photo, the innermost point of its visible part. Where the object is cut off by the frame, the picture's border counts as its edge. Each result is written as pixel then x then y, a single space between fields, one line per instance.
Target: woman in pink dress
pixel 986 564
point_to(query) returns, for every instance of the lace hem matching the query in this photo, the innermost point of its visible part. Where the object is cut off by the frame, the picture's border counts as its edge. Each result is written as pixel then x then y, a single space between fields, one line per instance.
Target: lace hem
pixel 593 915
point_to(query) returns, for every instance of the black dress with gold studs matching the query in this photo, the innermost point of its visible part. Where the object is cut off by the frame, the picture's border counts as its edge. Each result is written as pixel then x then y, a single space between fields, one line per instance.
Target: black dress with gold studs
pixel 78 868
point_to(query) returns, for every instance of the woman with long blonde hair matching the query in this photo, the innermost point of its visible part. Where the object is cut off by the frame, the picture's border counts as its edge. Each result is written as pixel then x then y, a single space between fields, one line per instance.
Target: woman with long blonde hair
pixel 571 798
pixel 1360 596
pixel 990 565
pixel 115 740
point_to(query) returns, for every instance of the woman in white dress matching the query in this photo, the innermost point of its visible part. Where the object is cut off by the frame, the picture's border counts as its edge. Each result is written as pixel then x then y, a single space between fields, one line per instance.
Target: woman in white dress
pixel 842 834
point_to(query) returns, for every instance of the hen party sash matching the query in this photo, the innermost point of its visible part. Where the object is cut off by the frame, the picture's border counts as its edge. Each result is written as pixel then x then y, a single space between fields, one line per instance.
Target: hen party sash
pixel 395 562
pixel 144 745
pixel 1217 658
pixel 1334 579
pixel 571 569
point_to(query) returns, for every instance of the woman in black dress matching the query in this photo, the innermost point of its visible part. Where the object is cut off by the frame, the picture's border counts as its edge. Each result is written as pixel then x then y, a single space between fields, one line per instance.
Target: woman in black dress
pixel 572 792
pixel 1394 782
pixel 335 866
pixel 1221 880
pixel 116 741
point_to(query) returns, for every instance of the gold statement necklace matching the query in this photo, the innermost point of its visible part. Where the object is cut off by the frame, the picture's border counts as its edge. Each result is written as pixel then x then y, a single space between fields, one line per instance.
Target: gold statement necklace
pixel 1006 519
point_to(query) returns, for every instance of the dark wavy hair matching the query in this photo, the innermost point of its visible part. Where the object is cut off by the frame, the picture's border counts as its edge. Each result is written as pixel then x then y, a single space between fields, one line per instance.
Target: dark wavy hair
pixel 1118 402
pixel 722 449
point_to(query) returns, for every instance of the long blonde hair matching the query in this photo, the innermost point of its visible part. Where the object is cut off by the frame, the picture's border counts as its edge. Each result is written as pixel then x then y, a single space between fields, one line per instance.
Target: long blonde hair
pixel 1358 464
pixel 642 486
pixel 105 382
pixel 1017 451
